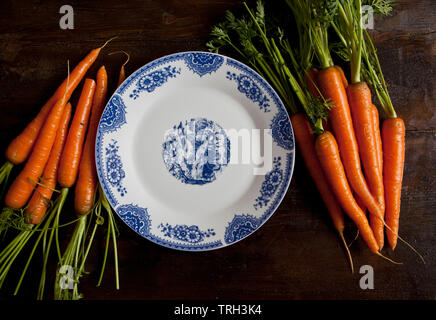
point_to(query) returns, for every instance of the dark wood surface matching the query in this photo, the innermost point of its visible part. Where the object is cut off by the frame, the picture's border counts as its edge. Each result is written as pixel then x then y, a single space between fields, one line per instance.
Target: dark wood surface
pixel 296 254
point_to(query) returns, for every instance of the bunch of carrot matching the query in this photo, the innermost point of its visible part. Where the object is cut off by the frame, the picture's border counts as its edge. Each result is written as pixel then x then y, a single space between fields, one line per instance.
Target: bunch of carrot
pixel 57 153
pixel 337 128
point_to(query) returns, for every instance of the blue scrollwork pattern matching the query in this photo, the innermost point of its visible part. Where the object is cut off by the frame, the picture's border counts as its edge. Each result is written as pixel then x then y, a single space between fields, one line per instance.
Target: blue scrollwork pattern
pixel 281 131
pixel 135 217
pixel 203 63
pixel 114 115
pixel 241 226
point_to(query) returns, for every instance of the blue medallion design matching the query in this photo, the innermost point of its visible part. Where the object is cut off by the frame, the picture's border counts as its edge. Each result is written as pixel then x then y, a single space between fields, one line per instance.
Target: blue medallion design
pixel 203 63
pixel 152 80
pixel 135 217
pixel 114 168
pixel 190 234
pixel 281 131
pixel 195 151
pixel 248 86
pixel 272 181
pixel 114 115
pixel 241 226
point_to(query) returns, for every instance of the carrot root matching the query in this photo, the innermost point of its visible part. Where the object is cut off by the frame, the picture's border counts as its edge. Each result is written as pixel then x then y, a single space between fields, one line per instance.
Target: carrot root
pixel 346 247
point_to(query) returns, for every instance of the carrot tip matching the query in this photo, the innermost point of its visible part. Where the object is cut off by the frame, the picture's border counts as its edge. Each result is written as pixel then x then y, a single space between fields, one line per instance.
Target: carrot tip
pixel 121 51
pixel 105 44
pixel 388 259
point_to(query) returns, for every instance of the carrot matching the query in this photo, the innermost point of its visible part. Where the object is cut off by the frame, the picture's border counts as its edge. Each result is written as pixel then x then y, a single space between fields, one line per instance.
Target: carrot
pixel 87 180
pixel 306 145
pixel 359 97
pixel 69 164
pixel 23 185
pixel 89 198
pixel 360 203
pixel 378 140
pixel 19 149
pixel 70 158
pixel 38 205
pixel 378 224
pixel 122 74
pixel 67 176
pixel 331 85
pixel 328 153
pixel 21 146
pixel 393 138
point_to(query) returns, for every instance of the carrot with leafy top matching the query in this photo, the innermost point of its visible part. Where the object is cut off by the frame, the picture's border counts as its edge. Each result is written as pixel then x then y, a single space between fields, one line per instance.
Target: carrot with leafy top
pixel 39 201
pixel 331 86
pixel 89 199
pixel 306 145
pixel 359 97
pixel 301 82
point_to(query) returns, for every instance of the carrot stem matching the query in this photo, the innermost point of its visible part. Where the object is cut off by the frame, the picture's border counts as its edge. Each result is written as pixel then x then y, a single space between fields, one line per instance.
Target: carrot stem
pixel 5 172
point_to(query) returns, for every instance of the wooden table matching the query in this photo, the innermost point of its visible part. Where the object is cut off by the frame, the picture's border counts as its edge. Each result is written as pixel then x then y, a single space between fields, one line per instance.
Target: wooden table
pixel 296 254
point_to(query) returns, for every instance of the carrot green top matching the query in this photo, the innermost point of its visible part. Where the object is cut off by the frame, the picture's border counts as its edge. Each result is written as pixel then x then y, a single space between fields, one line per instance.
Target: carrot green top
pixel 273 57
pixel 357 47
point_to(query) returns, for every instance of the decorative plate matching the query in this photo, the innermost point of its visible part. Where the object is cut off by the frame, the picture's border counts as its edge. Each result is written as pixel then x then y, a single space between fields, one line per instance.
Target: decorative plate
pixel 195 151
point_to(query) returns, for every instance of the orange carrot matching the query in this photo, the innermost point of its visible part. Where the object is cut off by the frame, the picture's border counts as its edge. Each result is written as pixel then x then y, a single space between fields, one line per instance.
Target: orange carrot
pixel 331 85
pixel 393 138
pixel 306 145
pixel 376 121
pixel 122 75
pixel 20 148
pixel 359 98
pixel 38 203
pixel 377 224
pixel 23 185
pixel 69 164
pixel 87 180
pixel 360 203
pixel 328 153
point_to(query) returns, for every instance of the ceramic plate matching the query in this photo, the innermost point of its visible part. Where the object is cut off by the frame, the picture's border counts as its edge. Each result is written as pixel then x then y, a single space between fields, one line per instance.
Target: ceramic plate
pixel 195 151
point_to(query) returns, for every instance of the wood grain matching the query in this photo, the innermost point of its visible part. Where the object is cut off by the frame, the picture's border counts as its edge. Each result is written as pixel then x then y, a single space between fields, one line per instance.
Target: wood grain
pixel 296 254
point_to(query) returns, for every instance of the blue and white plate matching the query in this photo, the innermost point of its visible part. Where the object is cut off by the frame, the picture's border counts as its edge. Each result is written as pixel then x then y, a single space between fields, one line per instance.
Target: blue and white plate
pixel 195 151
